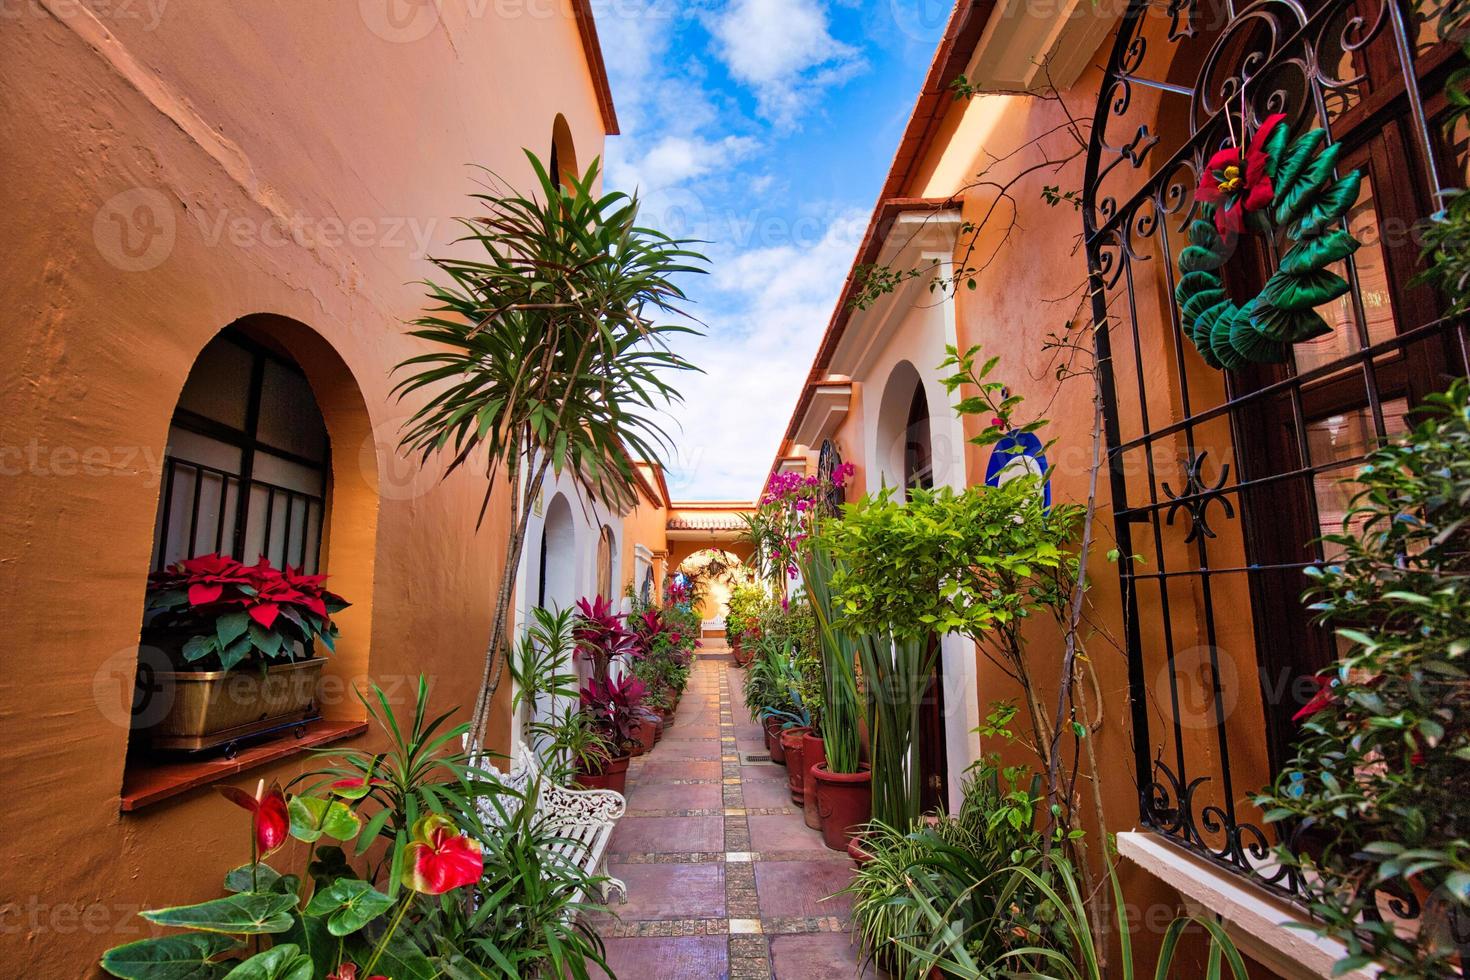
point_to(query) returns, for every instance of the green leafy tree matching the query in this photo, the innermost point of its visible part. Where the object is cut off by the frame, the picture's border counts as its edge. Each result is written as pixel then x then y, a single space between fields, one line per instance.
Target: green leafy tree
pixel 549 354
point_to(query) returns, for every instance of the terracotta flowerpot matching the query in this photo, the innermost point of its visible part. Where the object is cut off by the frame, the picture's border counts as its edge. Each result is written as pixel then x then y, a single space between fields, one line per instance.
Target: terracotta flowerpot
pixel 614 776
pixel 772 728
pixel 646 733
pixel 813 753
pixel 791 744
pixel 857 851
pixel 778 749
pixel 845 803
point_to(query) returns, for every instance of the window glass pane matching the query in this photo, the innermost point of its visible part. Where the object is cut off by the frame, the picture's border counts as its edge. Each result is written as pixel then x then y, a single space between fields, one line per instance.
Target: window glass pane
pixel 1337 438
pixel 1372 268
pixel 289 418
pixel 219 383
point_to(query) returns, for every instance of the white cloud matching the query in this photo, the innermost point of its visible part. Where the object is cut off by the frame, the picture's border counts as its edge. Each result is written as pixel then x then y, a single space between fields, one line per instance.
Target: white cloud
pixel 783 50
pixel 766 310
pixel 674 160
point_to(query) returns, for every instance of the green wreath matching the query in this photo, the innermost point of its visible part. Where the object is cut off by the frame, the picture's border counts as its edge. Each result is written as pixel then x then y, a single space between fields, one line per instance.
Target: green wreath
pixel 1276 183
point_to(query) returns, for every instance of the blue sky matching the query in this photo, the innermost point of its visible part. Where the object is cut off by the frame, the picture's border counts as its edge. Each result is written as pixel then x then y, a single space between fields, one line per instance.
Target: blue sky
pixel 764 127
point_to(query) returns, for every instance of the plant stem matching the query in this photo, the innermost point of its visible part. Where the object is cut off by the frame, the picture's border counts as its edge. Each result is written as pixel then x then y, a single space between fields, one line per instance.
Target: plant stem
pixel 392 928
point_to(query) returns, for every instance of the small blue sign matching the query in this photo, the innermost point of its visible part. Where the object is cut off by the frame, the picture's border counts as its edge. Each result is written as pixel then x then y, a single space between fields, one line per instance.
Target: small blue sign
pixel 1018 454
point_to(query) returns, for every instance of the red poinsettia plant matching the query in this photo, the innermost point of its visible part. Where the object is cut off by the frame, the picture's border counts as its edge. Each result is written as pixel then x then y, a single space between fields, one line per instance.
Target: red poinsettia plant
pixel 238 611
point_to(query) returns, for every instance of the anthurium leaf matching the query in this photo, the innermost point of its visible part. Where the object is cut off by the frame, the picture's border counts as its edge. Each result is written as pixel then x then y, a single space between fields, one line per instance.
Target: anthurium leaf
pixel 349 904
pixel 230 627
pixel 1193 258
pixel 313 817
pixel 283 962
pixel 184 957
pixel 243 880
pixel 1329 207
pixel 401 959
pixel 1315 253
pixel 310 934
pixel 249 913
pixel 330 863
pixel 1302 291
pixel 1294 199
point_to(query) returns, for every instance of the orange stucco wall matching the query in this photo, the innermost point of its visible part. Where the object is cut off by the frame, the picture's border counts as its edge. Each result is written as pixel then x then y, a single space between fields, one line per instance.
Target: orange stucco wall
pixel 281 159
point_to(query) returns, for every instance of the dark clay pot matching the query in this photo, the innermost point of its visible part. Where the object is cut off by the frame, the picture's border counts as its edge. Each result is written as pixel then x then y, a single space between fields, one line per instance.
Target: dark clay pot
pixel 845 803
pixel 778 750
pixel 791 744
pixel 813 753
pixel 614 776
pixel 771 727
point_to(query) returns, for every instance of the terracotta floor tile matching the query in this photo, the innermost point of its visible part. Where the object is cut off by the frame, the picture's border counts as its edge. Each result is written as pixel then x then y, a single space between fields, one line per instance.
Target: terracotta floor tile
pixel 801 888
pixel 660 958
pixel 675 796
pixel 766 793
pixel 822 956
pixel 655 770
pixel 784 832
pixel 671 891
pixel 650 835
pixel 688 748
pixel 769 773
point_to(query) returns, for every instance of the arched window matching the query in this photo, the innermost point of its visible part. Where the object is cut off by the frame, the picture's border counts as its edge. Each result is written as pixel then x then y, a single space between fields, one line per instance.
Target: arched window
pixel 918 454
pixel 563 160
pixel 246 471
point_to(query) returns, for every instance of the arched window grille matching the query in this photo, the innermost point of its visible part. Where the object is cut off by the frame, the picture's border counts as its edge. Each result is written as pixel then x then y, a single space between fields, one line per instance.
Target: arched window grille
pixel 1222 481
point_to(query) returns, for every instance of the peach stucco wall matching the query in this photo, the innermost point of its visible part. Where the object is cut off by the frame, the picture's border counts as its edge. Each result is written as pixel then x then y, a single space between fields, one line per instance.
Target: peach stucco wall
pixel 283 159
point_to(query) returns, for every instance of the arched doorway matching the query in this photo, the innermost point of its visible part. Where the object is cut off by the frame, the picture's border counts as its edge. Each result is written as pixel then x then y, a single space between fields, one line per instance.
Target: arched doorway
pixel 557 570
pixel 713 573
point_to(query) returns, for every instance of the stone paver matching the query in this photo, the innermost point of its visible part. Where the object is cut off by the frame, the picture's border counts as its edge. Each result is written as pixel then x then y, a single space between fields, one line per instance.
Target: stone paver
pixel 724 877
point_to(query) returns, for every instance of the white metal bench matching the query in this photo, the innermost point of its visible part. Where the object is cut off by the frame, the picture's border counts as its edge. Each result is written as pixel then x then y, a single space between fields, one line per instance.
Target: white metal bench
pixel 581 819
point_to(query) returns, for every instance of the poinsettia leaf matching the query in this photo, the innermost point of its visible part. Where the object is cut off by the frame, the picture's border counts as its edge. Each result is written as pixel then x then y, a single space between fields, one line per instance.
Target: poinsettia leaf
pixel 249 913
pixel 266 641
pixel 1303 290
pixel 1193 258
pixel 312 817
pixel 1315 253
pixel 184 957
pixel 1288 326
pixel 1199 302
pixel 283 962
pixel 235 652
pixel 349 904
pixel 199 647
pixel 241 879
pixel 1329 207
pixel 230 627
pixel 1295 159
pixel 1294 198
pixel 1250 343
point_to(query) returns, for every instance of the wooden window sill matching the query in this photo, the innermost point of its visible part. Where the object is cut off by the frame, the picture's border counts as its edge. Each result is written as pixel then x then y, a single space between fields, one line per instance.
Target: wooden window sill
pixel 147 783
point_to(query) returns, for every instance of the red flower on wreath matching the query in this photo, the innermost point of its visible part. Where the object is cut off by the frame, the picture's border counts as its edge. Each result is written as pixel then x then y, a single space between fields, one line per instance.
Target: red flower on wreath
pixel 1236 182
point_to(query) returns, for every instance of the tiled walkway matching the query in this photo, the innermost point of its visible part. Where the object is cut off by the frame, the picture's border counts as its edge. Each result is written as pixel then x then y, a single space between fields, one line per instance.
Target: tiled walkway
pixel 724 877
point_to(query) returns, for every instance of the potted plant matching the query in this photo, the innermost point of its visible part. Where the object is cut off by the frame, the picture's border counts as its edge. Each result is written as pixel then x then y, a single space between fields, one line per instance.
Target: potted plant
pixel 613 708
pixel 813 754
pixel 245 646
pixel 791 745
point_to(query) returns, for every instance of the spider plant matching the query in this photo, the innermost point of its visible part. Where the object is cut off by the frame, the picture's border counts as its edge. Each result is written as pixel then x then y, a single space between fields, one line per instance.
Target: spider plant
pixel 547 354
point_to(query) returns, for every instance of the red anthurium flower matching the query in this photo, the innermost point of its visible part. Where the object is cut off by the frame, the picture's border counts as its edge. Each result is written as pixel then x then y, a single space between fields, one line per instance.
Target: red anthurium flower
pixel 348 971
pixel 270 820
pixel 1237 183
pixel 355 787
pixel 1320 701
pixel 441 859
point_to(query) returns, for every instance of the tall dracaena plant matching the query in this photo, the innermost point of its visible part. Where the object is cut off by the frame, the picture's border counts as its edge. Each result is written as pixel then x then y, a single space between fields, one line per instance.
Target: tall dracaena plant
pixel 843 703
pixel 548 356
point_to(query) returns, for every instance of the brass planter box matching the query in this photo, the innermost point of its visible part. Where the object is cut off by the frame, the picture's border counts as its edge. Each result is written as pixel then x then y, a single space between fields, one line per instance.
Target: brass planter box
pixel 208 708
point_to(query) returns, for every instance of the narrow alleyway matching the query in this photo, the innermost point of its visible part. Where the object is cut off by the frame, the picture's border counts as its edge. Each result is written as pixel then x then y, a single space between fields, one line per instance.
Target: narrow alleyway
pixel 724 877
